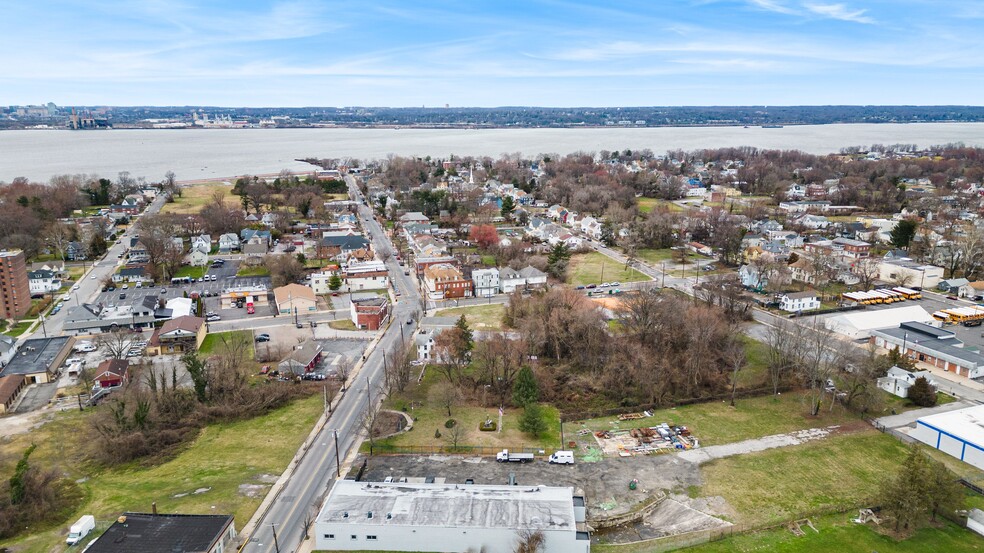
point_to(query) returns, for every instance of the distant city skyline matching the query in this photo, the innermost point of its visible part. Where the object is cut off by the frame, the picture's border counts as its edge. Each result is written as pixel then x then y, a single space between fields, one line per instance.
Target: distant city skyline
pixel 537 53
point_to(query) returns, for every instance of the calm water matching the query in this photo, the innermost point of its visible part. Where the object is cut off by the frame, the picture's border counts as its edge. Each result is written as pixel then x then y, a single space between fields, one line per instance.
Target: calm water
pixel 194 154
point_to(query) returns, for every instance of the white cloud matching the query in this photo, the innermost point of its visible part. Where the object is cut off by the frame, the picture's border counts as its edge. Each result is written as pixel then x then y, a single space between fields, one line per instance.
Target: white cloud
pixel 839 11
pixel 772 6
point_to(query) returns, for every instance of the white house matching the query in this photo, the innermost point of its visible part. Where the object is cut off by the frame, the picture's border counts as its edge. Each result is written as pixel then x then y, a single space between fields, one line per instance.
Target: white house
pixel 486 282
pixel 368 275
pixel 228 242
pixel 202 241
pixel 898 381
pixel 529 277
pixel 799 301
pixel 319 282
pixel 42 282
pixel 447 517
pixel 198 256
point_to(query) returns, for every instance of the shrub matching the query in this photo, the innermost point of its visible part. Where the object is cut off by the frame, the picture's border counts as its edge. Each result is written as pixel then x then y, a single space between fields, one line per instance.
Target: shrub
pixel 450 423
pixel 437 433
pixel 488 425
pixel 531 421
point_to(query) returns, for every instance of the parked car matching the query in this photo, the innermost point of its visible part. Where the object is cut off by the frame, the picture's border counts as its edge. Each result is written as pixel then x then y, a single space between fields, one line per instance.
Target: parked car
pixel 213 318
pixel 263 337
pixel 123 296
pixel 163 290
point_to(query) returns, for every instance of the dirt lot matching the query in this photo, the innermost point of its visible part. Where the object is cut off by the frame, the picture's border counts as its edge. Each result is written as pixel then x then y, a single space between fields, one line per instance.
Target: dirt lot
pixel 605 484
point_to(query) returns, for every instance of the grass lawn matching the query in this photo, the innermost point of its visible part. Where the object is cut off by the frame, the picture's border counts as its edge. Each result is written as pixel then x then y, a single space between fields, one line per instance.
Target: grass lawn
pixel 257 271
pixel 479 317
pixel 18 329
pixel 215 340
pixel 221 459
pixel 193 271
pixel 342 324
pixel 755 374
pixel 193 198
pixel 429 416
pixel 665 255
pixel 836 533
pixel 488 260
pixel 648 204
pixel 837 471
pixel 596 268
pixel 718 423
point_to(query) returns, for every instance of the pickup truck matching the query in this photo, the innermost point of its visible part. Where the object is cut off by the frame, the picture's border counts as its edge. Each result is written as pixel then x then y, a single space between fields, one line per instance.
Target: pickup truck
pixel 505 457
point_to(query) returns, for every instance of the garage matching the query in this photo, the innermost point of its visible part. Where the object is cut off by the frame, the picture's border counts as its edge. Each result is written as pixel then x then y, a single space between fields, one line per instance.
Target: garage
pixel 957 433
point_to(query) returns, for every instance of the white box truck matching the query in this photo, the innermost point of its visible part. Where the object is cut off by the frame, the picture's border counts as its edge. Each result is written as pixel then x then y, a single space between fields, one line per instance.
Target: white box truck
pixel 505 457
pixel 562 458
pixel 80 529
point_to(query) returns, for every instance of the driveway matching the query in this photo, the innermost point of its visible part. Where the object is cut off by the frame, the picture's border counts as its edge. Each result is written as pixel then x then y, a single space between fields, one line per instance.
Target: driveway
pixel 36 396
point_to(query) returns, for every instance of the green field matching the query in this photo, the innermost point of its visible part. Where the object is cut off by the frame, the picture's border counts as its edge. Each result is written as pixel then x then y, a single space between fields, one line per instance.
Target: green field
pixel 716 422
pixel 193 198
pixel 596 268
pixel 213 341
pixel 838 471
pixel 342 324
pixel 648 204
pixel 665 255
pixel 193 271
pixel 257 271
pixel 220 460
pixel 429 415
pixel 836 534
pixel 479 317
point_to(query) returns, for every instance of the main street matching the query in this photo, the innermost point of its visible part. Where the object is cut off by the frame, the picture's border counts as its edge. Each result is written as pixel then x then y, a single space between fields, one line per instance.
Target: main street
pixel 301 495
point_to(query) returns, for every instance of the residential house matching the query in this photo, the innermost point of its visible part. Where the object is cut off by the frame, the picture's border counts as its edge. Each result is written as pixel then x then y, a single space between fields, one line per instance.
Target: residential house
pixel 697 247
pixel 956 286
pixel 228 243
pixel 295 298
pixel 752 278
pixel 852 248
pixel 342 247
pixel 8 348
pixel 255 248
pixel 75 251
pixel 813 222
pixel 898 381
pixel 42 282
pixel 795 191
pixel 369 275
pixel 486 282
pixel 369 313
pixel 414 217
pixel 534 278
pixel 799 301
pixel 804 206
pixel 178 335
pixel 511 280
pixel 112 373
pixel 198 256
pixel 202 241
pixel 976 290
pixel 302 359
pixel 254 236
pixel 320 282
pixel 132 275
pixel 444 281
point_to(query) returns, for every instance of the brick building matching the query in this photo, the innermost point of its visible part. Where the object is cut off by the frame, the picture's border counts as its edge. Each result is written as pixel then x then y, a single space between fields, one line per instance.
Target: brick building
pixel 369 313
pixel 446 281
pixel 15 288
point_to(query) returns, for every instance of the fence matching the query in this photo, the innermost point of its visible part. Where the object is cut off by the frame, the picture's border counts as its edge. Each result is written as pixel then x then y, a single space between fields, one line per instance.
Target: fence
pixel 740 394
pixel 482 450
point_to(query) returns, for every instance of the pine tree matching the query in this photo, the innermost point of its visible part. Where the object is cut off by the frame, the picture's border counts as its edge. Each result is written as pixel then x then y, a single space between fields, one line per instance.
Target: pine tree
pixel 334 283
pixel 531 421
pixel 526 391
pixel 507 207
pixel 466 336
pixel 921 393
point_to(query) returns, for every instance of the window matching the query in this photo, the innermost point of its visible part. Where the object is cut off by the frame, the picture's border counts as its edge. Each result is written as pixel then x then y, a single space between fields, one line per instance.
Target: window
pixel 329 536
pixel 370 537
pixel 354 537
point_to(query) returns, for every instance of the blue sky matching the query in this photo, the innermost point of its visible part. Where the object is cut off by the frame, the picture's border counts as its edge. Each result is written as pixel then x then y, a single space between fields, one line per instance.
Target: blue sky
pixel 492 53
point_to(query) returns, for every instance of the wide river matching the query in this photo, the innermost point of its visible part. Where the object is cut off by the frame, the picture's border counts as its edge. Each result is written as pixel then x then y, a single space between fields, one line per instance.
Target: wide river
pixel 199 153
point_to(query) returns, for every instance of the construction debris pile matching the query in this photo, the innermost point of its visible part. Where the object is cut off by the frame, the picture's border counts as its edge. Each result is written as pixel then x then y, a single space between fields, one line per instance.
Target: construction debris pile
pixel 662 438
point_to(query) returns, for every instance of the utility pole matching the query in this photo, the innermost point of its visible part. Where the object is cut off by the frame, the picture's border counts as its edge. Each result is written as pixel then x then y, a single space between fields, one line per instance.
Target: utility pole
pixel 369 387
pixel 662 269
pixel 276 544
pixel 338 462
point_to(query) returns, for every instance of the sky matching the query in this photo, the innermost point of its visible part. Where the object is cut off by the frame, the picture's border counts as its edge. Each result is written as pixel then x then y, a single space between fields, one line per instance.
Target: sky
pixel 488 53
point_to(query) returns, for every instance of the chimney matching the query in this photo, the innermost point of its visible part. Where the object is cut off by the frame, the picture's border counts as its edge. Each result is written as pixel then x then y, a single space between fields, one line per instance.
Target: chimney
pixel 153 508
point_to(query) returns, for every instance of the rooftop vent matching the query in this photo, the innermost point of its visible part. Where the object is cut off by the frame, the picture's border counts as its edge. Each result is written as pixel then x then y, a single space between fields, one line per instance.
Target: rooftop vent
pixel 369 514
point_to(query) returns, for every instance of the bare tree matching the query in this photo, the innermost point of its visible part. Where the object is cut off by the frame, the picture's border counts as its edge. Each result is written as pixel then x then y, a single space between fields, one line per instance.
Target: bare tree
pixel 117 342
pixel 399 370
pixel 867 270
pixel 781 358
pixel 369 423
pixel 58 236
pixel 530 541
pixel 447 395
pixel 817 358
pixel 455 435
pixel 343 369
pixel 736 357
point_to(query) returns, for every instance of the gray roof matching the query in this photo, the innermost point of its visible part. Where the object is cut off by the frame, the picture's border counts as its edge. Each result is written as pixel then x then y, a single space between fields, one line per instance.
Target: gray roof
pixel 449 506
pixel 531 272
pixel 149 533
pixel 938 343
pixel 36 356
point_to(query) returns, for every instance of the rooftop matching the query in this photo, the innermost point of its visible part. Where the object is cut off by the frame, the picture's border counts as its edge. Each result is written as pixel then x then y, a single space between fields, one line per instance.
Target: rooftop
pixel 36 355
pixel 449 506
pixel 966 424
pixel 149 533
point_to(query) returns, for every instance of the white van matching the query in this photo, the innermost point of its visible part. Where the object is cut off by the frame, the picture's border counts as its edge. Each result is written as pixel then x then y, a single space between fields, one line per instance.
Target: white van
pixel 139 284
pixel 562 458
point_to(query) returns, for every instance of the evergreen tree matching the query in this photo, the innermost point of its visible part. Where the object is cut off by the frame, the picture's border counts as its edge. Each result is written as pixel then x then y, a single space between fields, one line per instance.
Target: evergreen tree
pixel 508 205
pixel 17 480
pixel 334 283
pixel 466 337
pixel 903 233
pixel 525 390
pixel 921 393
pixel 531 421
pixel 557 261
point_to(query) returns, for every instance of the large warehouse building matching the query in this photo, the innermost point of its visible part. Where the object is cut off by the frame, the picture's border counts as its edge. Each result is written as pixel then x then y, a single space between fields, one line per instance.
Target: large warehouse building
pixel 858 325
pixel 959 433
pixel 448 518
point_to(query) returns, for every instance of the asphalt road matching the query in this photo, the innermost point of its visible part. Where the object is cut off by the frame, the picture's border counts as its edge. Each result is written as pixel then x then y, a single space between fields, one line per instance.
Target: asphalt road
pixel 302 494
